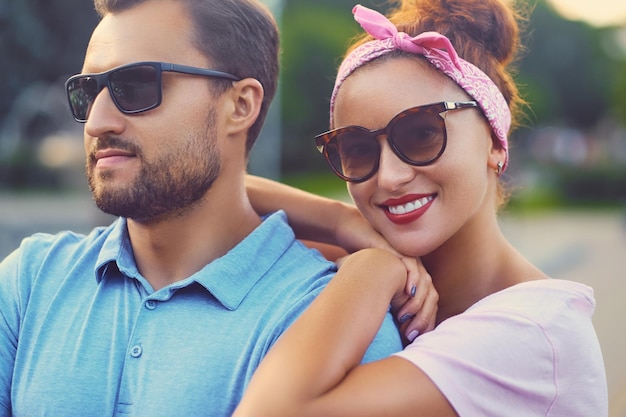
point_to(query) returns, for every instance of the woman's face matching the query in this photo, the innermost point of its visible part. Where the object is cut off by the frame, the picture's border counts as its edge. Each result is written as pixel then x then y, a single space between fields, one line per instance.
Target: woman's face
pixel 417 209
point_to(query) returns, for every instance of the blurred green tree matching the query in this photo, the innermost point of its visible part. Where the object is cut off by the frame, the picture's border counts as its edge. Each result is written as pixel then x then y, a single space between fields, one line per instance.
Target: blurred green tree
pixel 565 73
pixel 41 40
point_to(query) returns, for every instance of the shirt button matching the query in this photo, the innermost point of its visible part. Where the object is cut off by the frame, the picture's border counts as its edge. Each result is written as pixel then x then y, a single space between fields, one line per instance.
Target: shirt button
pixel 136 351
pixel 151 304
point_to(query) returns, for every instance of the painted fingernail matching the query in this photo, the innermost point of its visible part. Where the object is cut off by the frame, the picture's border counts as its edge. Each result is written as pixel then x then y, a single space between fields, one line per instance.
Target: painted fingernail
pixel 406 318
pixel 413 290
pixel 413 335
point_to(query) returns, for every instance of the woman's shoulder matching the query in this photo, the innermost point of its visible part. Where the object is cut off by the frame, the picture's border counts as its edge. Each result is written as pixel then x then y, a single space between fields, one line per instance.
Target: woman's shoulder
pixel 540 300
pixel 505 343
pixel 522 324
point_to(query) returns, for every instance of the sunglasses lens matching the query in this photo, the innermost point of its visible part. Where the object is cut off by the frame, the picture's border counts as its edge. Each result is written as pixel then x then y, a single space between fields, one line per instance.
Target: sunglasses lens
pixel 136 89
pixel 82 92
pixel 353 153
pixel 419 136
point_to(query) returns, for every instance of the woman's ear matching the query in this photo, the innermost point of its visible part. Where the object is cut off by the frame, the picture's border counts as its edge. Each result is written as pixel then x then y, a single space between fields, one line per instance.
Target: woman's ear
pixel 497 157
pixel 245 101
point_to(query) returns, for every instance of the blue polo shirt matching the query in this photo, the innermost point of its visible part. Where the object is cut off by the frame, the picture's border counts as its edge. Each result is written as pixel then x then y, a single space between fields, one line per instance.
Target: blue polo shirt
pixel 82 333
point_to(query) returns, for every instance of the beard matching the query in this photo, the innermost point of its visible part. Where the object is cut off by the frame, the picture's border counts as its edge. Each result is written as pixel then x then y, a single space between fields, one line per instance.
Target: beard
pixel 164 187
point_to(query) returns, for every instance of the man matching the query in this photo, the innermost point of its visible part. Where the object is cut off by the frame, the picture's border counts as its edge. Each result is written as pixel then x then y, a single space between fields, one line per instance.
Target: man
pixel 168 311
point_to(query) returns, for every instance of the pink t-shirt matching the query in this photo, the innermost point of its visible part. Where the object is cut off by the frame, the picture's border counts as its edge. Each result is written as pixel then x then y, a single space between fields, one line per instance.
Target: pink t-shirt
pixel 529 350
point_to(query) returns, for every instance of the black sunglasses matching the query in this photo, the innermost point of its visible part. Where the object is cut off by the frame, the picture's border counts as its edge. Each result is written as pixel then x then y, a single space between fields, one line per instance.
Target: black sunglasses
pixel 416 135
pixel 134 88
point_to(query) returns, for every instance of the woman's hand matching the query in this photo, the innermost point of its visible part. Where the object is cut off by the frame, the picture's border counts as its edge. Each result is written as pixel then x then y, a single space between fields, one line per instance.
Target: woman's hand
pixel 415 308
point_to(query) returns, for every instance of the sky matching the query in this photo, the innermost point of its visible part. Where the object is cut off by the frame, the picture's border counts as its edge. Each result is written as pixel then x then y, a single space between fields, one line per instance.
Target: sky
pixel 596 12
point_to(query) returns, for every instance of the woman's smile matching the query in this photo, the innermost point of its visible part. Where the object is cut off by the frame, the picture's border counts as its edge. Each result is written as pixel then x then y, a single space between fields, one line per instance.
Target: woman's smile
pixel 408 208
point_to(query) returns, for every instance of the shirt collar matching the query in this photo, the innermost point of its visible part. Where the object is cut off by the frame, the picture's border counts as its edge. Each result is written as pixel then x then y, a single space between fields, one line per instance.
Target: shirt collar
pixel 116 249
pixel 230 277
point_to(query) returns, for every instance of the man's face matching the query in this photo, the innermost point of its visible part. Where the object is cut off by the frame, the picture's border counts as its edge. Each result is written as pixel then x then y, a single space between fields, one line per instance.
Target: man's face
pixel 155 164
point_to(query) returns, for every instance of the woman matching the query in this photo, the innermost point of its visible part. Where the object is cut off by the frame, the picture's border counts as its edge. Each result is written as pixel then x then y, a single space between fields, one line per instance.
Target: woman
pixel 423 169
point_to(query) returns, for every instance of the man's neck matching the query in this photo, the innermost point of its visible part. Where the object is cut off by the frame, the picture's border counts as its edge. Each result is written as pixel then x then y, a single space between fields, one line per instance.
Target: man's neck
pixel 176 247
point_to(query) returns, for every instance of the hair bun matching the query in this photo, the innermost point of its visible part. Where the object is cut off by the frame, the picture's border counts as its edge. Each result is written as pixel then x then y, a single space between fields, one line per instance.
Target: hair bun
pixel 475 27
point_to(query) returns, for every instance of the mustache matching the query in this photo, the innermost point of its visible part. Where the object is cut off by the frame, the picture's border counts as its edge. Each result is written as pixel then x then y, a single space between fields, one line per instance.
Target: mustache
pixel 113 142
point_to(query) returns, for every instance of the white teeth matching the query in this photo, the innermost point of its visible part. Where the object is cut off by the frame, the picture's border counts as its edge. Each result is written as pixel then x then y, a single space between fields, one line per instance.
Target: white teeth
pixel 409 207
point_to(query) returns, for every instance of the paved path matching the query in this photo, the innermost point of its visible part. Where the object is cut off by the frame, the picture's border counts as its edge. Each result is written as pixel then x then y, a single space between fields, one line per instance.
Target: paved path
pixel 585 247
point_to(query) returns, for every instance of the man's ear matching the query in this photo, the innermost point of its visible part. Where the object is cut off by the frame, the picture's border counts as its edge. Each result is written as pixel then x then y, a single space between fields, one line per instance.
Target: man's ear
pixel 244 105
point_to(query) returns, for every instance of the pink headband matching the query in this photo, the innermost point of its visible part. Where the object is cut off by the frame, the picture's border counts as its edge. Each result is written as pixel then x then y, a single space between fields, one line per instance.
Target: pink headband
pixel 438 50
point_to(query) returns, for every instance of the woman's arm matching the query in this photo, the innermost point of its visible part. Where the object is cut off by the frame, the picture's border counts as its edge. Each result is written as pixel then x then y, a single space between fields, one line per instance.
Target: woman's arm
pixel 340 225
pixel 313 368
pixel 313 217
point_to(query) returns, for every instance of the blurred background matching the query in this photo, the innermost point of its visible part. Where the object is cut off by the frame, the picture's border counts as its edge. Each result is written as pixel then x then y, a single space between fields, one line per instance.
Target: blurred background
pixel 568 161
